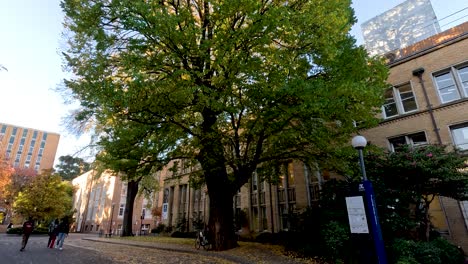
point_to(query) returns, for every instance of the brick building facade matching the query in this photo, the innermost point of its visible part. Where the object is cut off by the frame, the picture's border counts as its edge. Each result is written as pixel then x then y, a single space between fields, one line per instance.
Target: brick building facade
pixel 428 104
pixel 28 147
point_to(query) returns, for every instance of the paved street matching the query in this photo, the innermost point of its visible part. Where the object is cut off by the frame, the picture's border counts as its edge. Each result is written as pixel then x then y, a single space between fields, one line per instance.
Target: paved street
pixel 37 252
pixel 77 251
pixel 88 248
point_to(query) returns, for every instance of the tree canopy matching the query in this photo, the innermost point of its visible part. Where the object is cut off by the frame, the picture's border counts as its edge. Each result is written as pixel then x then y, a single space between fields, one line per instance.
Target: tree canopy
pixel 6 172
pixel 416 176
pixel 70 167
pixel 238 84
pixel 5 175
pixel 133 152
pixel 46 197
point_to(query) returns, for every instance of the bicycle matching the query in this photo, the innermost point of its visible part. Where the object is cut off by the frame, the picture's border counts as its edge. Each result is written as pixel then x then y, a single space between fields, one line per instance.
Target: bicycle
pixel 202 240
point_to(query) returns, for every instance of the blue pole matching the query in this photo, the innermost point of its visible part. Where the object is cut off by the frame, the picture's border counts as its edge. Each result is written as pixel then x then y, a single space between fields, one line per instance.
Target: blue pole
pixel 372 213
pixel 374 222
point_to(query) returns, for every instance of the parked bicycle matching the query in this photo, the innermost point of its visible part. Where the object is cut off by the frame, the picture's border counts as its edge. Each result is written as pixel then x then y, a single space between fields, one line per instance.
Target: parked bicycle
pixel 202 240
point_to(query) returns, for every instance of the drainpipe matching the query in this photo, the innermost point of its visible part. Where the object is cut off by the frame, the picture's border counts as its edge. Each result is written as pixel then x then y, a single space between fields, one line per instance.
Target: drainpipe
pixel 418 73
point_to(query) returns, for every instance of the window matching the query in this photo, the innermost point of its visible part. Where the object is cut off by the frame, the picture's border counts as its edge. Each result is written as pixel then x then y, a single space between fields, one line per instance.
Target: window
pixel 290 174
pixel 452 84
pixel 399 100
pixel 460 136
pixel 254 181
pixel 124 190
pixel 121 209
pixel 414 140
pixel 463 75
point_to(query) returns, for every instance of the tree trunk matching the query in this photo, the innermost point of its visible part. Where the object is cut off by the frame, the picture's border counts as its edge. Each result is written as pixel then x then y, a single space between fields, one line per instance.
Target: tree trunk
pixel 220 188
pixel 221 221
pixel 132 190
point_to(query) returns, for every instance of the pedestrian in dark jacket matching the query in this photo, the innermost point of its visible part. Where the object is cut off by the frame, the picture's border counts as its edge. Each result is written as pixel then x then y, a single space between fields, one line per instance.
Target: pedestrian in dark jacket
pixel 28 228
pixel 53 232
pixel 63 229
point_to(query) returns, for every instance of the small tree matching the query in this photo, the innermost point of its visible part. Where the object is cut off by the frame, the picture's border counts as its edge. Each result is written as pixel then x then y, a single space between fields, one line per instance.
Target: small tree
pixel 47 196
pixel 20 178
pixel 5 180
pixel 129 150
pixel 418 175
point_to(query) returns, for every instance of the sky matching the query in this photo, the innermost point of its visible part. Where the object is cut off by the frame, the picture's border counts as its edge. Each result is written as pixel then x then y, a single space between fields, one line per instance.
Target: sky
pixel 31 44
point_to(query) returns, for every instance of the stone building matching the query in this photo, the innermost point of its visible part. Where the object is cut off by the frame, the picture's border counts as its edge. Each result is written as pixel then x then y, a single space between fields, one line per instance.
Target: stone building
pixel 258 206
pixel 428 103
pixel 99 204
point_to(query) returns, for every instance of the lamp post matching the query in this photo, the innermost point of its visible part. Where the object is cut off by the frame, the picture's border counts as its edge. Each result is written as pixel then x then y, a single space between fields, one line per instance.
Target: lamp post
pixel 359 142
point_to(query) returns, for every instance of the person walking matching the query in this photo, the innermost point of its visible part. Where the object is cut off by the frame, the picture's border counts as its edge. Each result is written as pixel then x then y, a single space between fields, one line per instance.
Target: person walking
pixel 63 229
pixel 53 232
pixel 28 228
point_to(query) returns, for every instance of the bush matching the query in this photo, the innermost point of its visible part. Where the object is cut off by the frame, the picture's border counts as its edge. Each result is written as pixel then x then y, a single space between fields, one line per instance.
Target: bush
pixel 184 234
pixel 159 229
pixel 407 260
pixel 168 229
pixel 41 230
pixel 19 231
pixel 438 251
pixel 428 254
pixel 335 236
pixel 15 230
pixel 266 237
pixel 448 253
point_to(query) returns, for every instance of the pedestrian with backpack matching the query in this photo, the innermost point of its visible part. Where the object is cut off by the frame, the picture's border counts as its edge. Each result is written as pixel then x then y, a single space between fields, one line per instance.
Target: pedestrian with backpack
pixel 28 228
pixel 53 232
pixel 63 229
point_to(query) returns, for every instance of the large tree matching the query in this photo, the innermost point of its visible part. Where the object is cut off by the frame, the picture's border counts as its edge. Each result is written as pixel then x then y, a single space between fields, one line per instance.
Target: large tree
pixel 70 167
pixel 241 83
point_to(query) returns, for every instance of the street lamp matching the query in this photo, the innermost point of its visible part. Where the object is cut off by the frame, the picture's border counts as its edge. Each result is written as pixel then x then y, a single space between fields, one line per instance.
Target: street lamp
pixel 359 142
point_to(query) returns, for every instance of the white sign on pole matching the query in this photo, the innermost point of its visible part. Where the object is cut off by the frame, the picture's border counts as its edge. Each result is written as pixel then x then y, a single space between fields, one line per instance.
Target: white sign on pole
pixel 165 210
pixel 357 215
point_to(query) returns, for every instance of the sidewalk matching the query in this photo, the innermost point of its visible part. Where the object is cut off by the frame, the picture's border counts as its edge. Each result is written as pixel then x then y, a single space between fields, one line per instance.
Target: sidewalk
pixel 246 253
